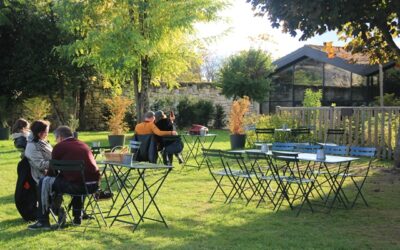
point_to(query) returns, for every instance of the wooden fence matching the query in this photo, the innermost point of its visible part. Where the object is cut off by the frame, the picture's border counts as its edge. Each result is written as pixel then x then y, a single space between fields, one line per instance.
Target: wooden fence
pixel 364 126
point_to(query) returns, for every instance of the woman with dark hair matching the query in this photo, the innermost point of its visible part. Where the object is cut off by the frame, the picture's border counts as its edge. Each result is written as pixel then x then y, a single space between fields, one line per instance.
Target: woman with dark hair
pixel 20 133
pixel 38 150
pixel 167 124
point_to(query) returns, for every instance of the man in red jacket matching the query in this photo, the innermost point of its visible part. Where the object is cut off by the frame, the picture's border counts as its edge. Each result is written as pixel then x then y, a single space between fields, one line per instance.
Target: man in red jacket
pixel 69 148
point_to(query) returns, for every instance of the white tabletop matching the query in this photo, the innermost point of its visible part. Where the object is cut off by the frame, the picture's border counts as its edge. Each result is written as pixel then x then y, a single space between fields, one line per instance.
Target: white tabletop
pixel 283 130
pixel 305 156
pixel 136 165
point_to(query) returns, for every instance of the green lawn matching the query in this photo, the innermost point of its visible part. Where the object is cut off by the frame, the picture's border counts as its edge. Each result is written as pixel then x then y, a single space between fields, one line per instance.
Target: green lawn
pixel 196 223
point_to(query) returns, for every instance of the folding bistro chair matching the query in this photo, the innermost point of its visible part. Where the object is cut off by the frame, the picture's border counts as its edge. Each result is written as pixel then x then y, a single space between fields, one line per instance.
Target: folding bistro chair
pixel 303 148
pixel 265 176
pixel 241 177
pixel 262 134
pixel 92 203
pixel 361 173
pixel 292 186
pixel 283 146
pixel 298 133
pixel 213 160
pixel 332 136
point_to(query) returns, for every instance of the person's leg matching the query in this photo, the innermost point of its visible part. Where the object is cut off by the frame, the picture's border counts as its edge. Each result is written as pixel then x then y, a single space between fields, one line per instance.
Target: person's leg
pixel 42 216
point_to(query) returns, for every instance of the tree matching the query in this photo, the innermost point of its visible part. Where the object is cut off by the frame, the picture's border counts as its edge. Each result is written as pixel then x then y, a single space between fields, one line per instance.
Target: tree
pixel 311 98
pixel 28 66
pixel 371 25
pixel 135 42
pixel 247 74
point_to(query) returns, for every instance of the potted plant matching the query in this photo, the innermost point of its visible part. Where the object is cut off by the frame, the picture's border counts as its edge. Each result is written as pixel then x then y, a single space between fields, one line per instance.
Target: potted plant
pixel 4 129
pixel 117 107
pixel 236 122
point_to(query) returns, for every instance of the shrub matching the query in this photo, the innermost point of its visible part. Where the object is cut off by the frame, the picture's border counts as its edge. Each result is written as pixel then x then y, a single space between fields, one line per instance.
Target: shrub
pixel 236 118
pixel 203 112
pixel 312 98
pixel 219 118
pixel 192 112
pixel 117 107
pixel 36 108
pixel 165 104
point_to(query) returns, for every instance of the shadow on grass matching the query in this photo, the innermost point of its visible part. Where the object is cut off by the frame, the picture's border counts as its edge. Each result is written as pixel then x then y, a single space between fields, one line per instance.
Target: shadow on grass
pixel 239 226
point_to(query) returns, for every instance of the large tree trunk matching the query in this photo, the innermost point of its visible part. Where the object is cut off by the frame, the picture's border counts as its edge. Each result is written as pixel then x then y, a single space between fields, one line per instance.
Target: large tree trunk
pixel 397 150
pixel 82 100
pixel 141 87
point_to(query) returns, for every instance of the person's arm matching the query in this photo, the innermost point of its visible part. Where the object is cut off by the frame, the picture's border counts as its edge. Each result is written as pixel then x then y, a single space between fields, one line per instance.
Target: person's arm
pixel 36 158
pixel 158 132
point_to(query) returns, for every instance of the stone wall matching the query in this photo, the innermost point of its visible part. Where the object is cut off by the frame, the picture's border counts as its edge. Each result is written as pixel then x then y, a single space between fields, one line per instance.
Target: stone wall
pixel 94 119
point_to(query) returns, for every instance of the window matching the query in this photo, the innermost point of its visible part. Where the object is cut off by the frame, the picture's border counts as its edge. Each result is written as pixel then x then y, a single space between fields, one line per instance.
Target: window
pixel 282 85
pixel 337 77
pixel 308 73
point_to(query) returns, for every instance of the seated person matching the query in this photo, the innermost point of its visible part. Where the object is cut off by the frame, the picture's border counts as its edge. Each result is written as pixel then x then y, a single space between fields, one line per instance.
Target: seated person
pixel 38 149
pixel 148 147
pixel 166 123
pixel 148 127
pixel 69 148
pixel 20 133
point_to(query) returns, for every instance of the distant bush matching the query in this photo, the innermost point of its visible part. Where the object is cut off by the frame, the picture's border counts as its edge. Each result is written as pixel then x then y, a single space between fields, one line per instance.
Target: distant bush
pixel 165 104
pixel 36 108
pixel 194 112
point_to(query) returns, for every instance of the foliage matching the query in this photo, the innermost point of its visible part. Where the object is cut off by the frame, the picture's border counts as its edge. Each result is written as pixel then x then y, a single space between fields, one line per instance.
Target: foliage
pixel 140 42
pixel 270 121
pixel 371 26
pixel 165 104
pixel 194 112
pixel 236 118
pixel 28 65
pixel 312 98
pixel 117 107
pixel 307 77
pixel 36 108
pixel 203 112
pixel 389 99
pixel 3 112
pixel 247 74
pixel 73 122
pixel 219 118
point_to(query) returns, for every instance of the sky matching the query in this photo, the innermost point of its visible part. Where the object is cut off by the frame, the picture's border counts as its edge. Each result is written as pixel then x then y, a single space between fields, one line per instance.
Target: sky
pixel 241 30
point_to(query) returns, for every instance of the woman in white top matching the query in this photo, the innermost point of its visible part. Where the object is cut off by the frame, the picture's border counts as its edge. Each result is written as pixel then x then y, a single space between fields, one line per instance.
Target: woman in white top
pixel 38 150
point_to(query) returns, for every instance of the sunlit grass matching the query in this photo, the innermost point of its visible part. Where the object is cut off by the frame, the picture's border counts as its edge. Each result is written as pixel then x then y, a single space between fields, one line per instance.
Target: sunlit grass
pixel 196 223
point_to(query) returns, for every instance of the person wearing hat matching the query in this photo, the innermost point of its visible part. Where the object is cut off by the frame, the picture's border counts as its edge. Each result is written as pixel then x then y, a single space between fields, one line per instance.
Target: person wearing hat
pixel 166 123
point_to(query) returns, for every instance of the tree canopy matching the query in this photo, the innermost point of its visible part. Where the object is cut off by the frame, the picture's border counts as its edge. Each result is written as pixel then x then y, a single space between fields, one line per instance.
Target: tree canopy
pixel 247 74
pixel 136 42
pixel 370 25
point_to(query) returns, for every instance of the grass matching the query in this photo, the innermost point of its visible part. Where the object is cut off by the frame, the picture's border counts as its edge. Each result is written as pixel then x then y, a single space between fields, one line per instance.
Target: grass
pixel 196 223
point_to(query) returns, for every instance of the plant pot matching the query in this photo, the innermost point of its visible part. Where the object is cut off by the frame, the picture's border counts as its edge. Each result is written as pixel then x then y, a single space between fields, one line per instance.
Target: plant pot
pixel 238 141
pixel 116 140
pixel 4 133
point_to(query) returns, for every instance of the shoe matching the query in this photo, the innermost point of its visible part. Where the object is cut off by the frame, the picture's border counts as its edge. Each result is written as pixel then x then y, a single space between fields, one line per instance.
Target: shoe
pixel 104 195
pixel 180 159
pixel 85 216
pixel 76 221
pixel 62 218
pixel 39 226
